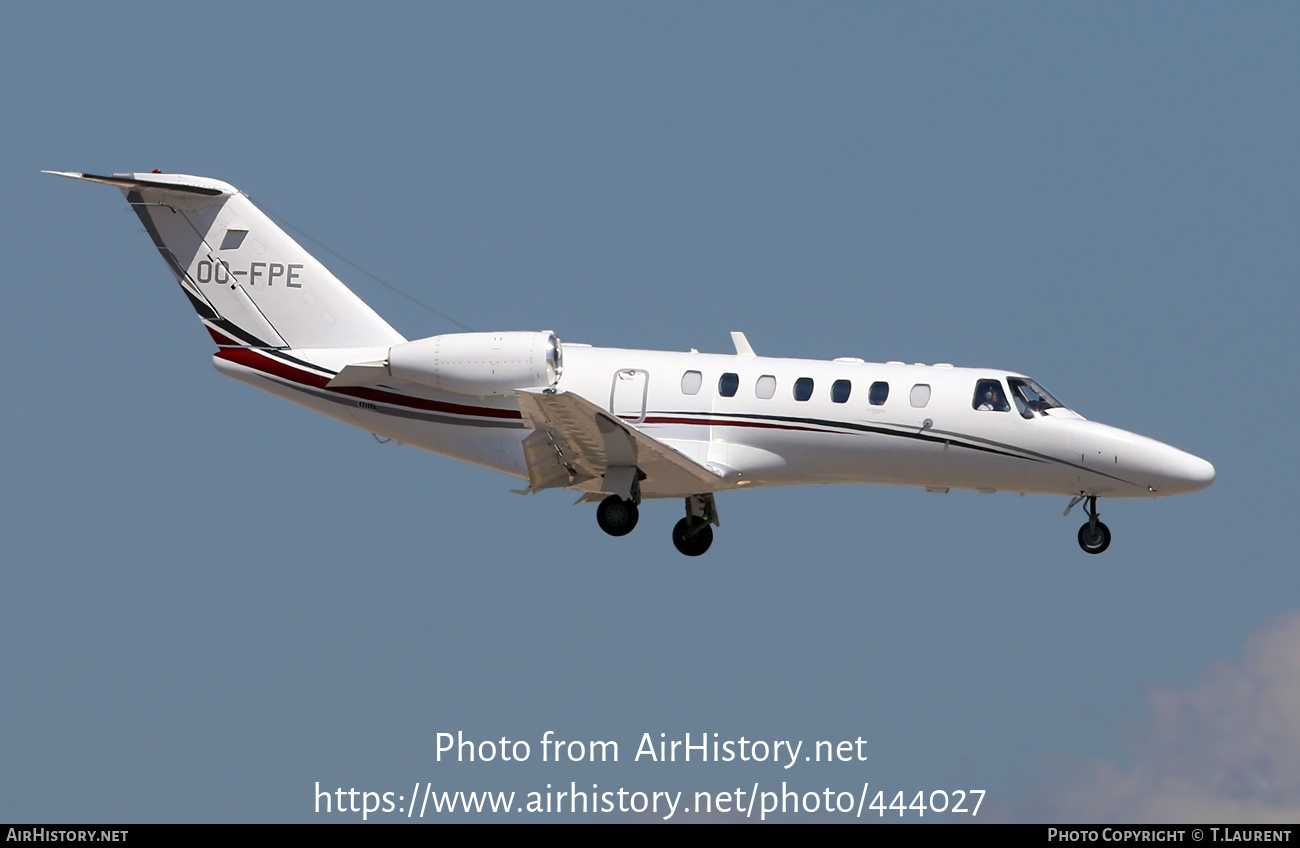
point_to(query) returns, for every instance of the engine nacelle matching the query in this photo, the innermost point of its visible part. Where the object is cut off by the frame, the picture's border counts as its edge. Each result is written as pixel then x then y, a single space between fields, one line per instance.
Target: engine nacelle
pixel 479 364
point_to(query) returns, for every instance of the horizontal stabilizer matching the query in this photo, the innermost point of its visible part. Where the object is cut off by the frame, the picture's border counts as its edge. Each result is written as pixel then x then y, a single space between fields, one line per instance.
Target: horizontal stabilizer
pixel 160 182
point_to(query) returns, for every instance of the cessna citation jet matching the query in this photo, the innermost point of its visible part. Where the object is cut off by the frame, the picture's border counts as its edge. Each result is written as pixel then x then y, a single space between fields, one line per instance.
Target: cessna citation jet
pixel 624 425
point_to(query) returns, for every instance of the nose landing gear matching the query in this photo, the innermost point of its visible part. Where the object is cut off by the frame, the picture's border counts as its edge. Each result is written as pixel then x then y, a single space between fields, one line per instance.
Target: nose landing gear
pixel 1094 537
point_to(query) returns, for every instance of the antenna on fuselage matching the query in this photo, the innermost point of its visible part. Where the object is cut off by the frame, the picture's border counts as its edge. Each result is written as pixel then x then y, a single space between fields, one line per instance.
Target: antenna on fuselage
pixel 742 344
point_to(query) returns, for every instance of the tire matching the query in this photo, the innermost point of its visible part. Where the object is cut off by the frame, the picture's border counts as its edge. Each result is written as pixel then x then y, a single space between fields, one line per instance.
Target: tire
pixel 1094 543
pixel 692 536
pixel 616 516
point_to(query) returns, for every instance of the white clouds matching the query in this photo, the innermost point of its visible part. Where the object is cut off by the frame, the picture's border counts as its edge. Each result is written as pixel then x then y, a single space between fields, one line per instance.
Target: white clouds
pixel 1227 750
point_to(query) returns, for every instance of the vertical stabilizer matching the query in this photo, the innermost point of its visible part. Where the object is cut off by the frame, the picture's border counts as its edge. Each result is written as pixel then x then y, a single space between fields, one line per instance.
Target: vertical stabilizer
pixel 252 285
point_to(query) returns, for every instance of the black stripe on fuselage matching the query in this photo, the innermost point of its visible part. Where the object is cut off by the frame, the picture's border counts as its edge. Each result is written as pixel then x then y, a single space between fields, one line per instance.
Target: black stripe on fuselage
pixel 1042 457
pixel 718 420
pixel 231 329
pixel 396 411
pixel 936 436
pixel 389 402
pixel 280 353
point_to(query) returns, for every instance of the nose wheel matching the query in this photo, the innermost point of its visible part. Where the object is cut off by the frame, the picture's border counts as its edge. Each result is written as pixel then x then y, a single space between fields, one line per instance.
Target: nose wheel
pixel 1094 540
pixel 616 516
pixel 1094 537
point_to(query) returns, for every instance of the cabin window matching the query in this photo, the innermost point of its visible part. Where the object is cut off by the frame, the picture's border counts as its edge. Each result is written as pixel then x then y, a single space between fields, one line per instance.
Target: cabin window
pixel 691 382
pixel 920 395
pixel 989 397
pixel 728 384
pixel 765 387
pixel 840 391
pixel 803 388
pixel 879 394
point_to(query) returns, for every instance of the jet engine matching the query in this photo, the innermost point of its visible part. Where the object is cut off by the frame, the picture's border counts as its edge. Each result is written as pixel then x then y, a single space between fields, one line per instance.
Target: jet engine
pixel 477 364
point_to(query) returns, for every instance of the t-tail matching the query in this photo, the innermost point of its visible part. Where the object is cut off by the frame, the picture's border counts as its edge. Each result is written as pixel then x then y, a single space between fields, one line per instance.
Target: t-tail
pixel 252 285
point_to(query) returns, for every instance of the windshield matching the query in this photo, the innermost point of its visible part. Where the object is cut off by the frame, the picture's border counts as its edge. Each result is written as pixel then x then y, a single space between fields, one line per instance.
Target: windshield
pixel 1031 398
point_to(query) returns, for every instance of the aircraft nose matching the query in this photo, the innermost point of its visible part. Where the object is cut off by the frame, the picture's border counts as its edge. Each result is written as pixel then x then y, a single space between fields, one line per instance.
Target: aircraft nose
pixel 1201 473
pixel 1184 472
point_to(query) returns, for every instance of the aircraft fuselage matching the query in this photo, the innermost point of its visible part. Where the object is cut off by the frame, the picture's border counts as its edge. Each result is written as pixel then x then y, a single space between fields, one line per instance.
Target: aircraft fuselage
pixel 926 431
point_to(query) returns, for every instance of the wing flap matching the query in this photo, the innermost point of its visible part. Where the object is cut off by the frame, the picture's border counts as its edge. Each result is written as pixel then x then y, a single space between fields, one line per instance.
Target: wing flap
pixel 574 442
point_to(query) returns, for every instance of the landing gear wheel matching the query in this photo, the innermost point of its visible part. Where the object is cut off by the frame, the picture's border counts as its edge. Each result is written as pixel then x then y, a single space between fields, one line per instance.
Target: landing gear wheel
pixel 616 516
pixel 1094 541
pixel 692 536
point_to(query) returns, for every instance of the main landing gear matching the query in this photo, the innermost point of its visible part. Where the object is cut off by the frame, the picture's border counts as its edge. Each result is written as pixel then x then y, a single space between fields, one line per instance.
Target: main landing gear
pixel 1094 537
pixel 616 516
pixel 692 535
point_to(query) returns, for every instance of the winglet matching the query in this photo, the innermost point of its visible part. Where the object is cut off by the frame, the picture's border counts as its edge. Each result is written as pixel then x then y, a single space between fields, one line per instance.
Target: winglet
pixel 742 344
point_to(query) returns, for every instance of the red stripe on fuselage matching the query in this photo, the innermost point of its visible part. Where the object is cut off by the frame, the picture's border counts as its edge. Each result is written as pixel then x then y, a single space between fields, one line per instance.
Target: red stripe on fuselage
pixel 259 361
pixel 714 423
pixel 219 337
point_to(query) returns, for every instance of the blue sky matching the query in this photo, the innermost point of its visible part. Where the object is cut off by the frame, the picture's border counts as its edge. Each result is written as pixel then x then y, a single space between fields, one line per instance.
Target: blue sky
pixel 213 599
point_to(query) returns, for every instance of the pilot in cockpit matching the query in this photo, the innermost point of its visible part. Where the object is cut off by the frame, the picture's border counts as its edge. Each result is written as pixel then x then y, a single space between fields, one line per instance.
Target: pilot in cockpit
pixel 990 398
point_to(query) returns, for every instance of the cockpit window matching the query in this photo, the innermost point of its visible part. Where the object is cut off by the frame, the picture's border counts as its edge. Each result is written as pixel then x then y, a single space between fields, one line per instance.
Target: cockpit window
pixel 989 397
pixel 1032 398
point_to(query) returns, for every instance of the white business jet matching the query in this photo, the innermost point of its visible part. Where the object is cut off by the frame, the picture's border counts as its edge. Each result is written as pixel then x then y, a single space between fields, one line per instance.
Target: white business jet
pixel 624 425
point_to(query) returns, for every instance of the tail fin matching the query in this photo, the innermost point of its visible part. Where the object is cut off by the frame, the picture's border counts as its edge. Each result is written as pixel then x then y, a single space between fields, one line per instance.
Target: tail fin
pixel 252 285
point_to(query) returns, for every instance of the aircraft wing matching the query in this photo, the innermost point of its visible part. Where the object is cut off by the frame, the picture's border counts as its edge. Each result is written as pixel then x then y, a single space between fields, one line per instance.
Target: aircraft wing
pixel 576 442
